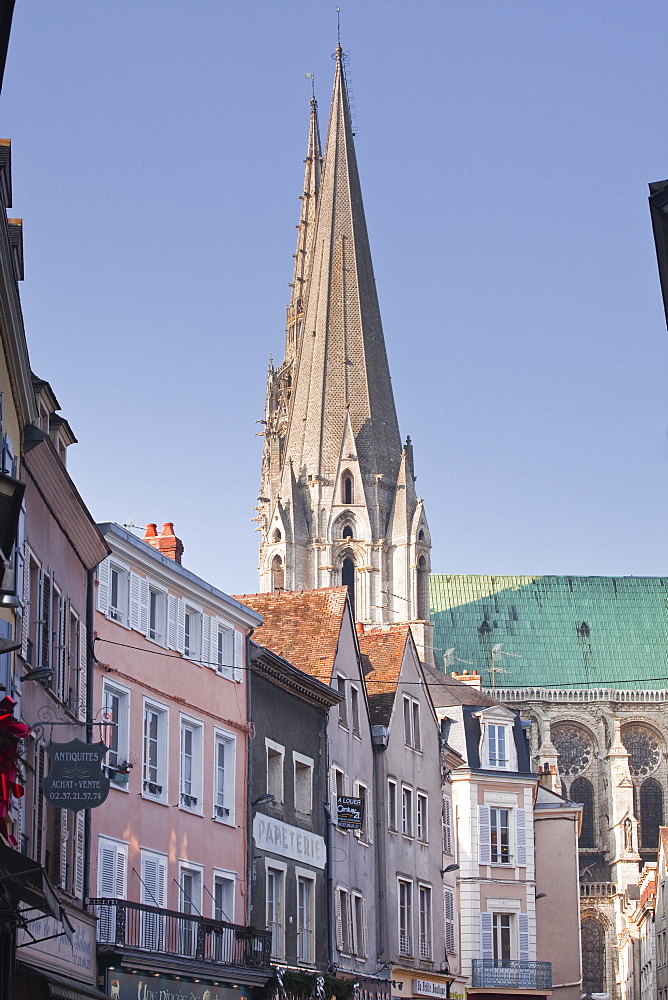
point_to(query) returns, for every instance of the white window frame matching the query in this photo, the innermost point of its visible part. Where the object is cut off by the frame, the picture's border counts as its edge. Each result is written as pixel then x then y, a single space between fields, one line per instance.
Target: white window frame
pixel 342 687
pixel 119 614
pixel 343 916
pixel 307 876
pixel 496 823
pixel 162 776
pixel 412 731
pixel 222 630
pixel 221 875
pixel 355 714
pixel 223 812
pixel 192 645
pixel 392 813
pixel 196 728
pixel 156 634
pixel 334 772
pixel 407 819
pixel 446 819
pixel 153 925
pixel 301 764
pixel 277 789
pixel 405 938
pixel 422 817
pixel 358 905
pixel 278 868
pixel 190 868
pixel 117 730
pixel 425 922
pixel 365 834
pixel 497 734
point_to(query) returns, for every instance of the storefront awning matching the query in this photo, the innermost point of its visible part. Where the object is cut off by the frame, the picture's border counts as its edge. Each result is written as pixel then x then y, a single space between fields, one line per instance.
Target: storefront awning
pixel 24 884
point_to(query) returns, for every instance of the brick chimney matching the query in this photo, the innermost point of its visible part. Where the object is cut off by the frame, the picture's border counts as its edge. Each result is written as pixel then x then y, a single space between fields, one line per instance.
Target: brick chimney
pixel 472 679
pixel 549 778
pixel 167 543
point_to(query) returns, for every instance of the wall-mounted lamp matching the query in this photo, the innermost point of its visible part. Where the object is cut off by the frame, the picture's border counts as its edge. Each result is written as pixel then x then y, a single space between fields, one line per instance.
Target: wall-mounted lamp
pixel 541 895
pixel 263 800
pixel 450 868
pixel 38 674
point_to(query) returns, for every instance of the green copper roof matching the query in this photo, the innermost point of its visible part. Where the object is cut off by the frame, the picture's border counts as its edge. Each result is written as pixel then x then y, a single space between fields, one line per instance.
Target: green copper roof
pixel 564 631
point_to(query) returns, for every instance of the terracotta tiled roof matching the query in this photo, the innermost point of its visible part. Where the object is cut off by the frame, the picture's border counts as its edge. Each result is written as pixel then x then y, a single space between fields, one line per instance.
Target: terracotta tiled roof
pixel 382 655
pixel 303 626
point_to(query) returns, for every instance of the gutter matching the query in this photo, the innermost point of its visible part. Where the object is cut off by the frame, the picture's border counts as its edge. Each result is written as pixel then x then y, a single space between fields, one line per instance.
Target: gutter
pixel 379 740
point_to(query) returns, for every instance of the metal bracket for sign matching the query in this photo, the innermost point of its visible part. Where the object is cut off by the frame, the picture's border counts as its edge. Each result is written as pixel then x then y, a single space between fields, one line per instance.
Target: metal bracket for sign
pixel 48 719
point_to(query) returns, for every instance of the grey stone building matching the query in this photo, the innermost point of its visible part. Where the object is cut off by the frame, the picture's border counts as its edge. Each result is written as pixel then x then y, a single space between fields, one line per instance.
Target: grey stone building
pixel 412 901
pixel 315 631
pixel 288 784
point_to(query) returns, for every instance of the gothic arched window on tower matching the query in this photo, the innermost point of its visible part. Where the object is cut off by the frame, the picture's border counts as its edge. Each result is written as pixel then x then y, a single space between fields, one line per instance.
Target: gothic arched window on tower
pixel 276 537
pixel 347 490
pixel 593 956
pixel 277 574
pixel 422 589
pixel 583 791
pixel 421 535
pixel 348 580
pixel 347 532
pixel 651 812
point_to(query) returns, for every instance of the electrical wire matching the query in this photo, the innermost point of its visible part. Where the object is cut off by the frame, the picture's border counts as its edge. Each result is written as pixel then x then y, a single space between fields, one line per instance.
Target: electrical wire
pixel 605 686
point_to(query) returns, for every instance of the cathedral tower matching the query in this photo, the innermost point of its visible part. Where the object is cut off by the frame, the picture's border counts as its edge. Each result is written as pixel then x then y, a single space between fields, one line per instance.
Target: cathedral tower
pixel 338 502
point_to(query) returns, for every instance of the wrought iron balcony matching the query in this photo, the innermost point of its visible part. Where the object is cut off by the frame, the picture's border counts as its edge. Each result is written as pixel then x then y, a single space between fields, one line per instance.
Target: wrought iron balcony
pixel 139 927
pixel 501 973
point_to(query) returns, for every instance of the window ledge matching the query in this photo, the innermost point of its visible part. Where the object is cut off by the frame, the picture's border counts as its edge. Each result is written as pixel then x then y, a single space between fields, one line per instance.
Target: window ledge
pixel 223 822
pixel 191 812
pixel 153 798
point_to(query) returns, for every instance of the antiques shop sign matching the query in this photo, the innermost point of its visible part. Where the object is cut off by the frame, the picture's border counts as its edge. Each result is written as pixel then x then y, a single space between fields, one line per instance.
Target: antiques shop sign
pixel 76 780
pixel 289 841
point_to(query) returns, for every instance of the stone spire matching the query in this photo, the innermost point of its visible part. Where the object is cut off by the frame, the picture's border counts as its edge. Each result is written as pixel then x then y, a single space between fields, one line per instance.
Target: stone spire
pixel 306 228
pixel 337 484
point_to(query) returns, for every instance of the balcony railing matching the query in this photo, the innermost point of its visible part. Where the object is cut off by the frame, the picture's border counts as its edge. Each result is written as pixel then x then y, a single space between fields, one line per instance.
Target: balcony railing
pixel 122 924
pixel 593 889
pixel 502 973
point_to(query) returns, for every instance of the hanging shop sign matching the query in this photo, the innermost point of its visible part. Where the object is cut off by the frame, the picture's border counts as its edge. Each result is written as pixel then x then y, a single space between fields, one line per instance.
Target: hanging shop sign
pixel 76 779
pixel 349 812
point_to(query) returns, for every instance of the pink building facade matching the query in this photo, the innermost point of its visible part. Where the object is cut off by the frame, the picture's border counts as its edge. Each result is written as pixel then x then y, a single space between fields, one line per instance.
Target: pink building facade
pixel 170 699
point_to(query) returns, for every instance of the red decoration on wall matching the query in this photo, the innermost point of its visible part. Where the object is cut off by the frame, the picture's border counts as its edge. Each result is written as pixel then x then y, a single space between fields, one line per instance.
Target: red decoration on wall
pixel 11 733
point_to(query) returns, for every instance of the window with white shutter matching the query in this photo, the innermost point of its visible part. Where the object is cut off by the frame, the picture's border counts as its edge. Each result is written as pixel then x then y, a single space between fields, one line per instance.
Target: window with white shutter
pixel 153 893
pixel 447 825
pixel 523 937
pixel 484 845
pixel 238 655
pixel 521 838
pixel 449 913
pixel 102 586
pixel 205 651
pixel 79 852
pixel 180 624
pixel 111 884
pixel 486 936
pixel 172 621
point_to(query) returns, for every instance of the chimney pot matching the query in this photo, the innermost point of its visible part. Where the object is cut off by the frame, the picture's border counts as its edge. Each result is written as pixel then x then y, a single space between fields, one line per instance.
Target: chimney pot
pixel 167 543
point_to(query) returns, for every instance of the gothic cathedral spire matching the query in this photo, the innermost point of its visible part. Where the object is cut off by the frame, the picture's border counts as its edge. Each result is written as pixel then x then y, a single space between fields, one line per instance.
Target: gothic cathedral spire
pixel 338 501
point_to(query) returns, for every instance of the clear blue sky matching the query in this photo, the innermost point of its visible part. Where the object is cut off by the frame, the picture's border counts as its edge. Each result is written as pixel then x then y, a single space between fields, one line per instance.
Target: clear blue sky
pixel 505 148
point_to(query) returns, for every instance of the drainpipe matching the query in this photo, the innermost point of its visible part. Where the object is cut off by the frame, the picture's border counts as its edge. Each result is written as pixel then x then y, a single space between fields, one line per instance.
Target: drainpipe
pixel 380 736
pixel 331 943
pixel 249 786
pixel 90 666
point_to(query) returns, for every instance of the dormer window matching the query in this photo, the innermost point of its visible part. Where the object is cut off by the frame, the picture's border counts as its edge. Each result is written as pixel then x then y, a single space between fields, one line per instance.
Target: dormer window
pixel 347 490
pixel 497 742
